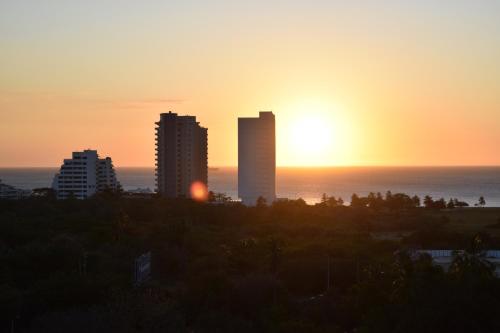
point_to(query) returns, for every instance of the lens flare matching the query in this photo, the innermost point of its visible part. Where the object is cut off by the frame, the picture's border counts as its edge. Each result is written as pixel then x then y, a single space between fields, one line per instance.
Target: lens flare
pixel 199 191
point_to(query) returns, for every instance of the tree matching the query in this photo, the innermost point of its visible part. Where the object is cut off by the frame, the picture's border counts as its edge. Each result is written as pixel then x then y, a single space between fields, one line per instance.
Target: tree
pixel 440 204
pixel 375 201
pixel 329 201
pixel 324 199
pixel 356 201
pixel 372 200
pixel 214 197
pixel 300 202
pixel 471 264
pixel 261 202
pixel 450 204
pixel 416 201
pixel 388 196
pixel 481 201
pixel 459 203
pixel 428 202
pixel 44 192
pixel 211 196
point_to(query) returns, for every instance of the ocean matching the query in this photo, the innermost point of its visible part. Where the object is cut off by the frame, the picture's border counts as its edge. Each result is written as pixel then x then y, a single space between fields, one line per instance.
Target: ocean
pixel 465 183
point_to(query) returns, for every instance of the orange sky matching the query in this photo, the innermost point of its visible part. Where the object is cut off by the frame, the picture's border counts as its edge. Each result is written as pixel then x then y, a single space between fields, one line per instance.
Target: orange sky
pixel 378 84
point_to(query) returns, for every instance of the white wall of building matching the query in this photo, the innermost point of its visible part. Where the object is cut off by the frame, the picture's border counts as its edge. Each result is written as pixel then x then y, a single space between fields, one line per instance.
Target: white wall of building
pixel 84 175
pixel 257 158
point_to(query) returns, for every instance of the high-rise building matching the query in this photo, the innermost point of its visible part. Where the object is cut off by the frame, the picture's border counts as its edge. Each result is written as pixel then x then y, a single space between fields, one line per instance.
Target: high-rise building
pixel 257 158
pixel 84 175
pixel 181 155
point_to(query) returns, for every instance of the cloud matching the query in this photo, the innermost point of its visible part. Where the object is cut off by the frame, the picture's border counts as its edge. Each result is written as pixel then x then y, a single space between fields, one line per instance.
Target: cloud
pixel 7 97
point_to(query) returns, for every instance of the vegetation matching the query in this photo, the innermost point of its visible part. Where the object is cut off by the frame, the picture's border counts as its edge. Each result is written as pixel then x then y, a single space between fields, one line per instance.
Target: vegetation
pixel 67 266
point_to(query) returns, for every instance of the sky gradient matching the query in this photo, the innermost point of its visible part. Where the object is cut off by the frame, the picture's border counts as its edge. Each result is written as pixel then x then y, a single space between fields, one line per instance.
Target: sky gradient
pixel 384 82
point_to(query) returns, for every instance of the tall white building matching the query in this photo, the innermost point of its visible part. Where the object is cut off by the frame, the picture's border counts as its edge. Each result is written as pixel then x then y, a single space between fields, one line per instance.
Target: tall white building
pixel 257 158
pixel 181 155
pixel 84 175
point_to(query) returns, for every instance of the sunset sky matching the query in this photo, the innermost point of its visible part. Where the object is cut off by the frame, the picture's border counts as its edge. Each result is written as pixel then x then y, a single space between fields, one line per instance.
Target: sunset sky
pixel 350 82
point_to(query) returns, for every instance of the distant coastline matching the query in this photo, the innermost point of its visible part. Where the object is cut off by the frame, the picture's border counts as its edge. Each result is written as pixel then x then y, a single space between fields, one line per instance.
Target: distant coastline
pixel 465 183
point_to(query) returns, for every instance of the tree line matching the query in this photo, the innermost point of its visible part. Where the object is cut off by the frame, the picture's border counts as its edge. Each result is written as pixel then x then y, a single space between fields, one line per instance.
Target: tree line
pixel 397 201
pixel 67 266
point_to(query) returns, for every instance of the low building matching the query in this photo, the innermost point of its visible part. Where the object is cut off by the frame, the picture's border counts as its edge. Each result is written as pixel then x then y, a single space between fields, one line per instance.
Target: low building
pixel 444 258
pixel 8 192
pixel 84 175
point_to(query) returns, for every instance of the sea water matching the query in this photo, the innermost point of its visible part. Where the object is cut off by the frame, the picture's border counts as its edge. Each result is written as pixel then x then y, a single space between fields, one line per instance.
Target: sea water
pixel 463 183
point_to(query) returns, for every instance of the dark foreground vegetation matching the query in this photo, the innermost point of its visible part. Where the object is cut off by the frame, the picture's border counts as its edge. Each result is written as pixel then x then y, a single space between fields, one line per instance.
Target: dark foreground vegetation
pixel 67 266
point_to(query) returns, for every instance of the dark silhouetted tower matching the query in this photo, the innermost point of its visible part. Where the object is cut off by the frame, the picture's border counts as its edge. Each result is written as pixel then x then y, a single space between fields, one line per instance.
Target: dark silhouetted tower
pixel 181 155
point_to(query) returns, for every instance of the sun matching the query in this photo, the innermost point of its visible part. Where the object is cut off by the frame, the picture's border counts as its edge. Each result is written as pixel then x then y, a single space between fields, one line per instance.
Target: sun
pixel 313 134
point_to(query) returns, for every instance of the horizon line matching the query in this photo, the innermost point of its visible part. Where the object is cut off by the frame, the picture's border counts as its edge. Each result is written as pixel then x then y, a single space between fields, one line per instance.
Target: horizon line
pixel 300 166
